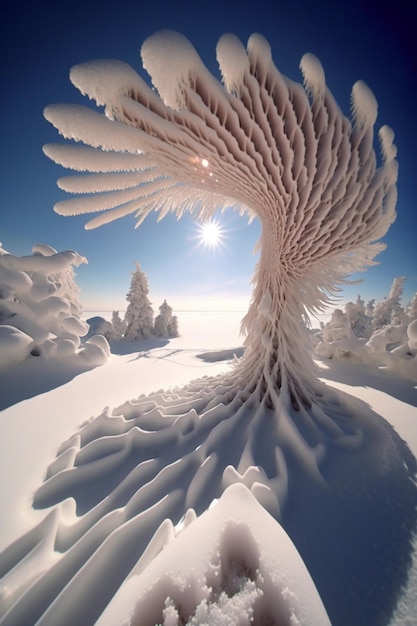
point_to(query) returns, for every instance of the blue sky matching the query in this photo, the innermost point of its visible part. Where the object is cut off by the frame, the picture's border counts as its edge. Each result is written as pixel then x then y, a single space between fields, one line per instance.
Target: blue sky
pixel 41 42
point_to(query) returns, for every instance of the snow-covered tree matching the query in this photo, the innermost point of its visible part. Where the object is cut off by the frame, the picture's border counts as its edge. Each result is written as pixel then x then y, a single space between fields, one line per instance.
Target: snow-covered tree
pixel 370 307
pixel 359 321
pixel 339 339
pixel 378 335
pixel 139 313
pixel 412 308
pixel 166 324
pixel 389 308
pixel 118 328
pixel 40 310
pixel 338 327
pixel 281 153
pixel 172 328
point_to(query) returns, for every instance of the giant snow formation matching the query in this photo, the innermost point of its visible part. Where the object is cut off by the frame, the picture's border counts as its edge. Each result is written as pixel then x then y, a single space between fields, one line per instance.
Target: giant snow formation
pixel 314 459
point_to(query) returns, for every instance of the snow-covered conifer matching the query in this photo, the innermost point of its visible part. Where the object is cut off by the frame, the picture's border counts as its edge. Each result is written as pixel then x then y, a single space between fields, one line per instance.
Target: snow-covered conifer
pixel 360 323
pixel 118 327
pixel 173 330
pixel 166 324
pixel 139 313
pixel 370 308
pixel 390 307
pixel 412 308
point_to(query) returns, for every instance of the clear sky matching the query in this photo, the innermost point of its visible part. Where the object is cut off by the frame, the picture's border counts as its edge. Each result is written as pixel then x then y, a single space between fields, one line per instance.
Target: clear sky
pixel 41 41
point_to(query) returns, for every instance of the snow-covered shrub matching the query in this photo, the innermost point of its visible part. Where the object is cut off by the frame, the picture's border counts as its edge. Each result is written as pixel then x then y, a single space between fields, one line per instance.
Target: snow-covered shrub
pixel 40 300
pixel 346 333
pixel 339 340
pixel 139 313
pixel 387 338
pixel 116 328
pixel 359 321
pixel 395 347
pixel 166 324
pixel 412 335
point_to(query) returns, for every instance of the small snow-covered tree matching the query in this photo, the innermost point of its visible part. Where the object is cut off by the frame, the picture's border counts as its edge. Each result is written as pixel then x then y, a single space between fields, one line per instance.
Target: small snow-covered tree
pixel 118 326
pixel 370 307
pixel 166 324
pixel 173 330
pixel 389 308
pixel 139 313
pixel 359 321
pixel 338 327
pixel 412 308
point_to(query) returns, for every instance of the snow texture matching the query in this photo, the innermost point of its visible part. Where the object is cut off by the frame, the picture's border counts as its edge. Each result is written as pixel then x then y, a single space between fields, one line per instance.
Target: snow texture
pixel 40 311
pixel 102 519
pixel 203 576
pixel 287 155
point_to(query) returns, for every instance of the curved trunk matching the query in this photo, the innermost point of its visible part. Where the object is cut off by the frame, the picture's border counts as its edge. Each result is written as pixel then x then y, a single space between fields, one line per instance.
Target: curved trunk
pixel 277 357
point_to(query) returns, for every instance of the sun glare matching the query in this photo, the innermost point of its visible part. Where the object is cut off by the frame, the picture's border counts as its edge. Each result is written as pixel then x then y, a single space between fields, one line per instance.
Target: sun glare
pixel 210 234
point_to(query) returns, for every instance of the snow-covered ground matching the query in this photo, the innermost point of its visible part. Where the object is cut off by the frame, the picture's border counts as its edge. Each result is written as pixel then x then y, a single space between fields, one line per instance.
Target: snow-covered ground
pixel 102 562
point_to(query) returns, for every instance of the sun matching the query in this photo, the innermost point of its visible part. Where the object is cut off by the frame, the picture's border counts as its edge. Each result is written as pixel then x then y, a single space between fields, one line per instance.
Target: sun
pixel 210 234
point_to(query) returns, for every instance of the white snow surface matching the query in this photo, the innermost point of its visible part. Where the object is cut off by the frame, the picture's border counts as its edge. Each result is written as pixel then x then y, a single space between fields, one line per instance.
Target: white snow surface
pixel 208 575
pixel 230 563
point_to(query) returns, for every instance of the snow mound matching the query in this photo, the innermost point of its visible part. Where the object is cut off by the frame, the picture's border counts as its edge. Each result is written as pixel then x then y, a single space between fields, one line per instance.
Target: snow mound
pixel 39 300
pixel 234 564
pixel 15 345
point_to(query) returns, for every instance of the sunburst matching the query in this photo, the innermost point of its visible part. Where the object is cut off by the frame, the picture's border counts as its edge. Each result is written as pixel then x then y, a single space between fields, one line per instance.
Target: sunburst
pixel 210 234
